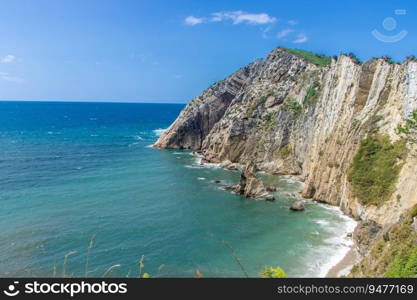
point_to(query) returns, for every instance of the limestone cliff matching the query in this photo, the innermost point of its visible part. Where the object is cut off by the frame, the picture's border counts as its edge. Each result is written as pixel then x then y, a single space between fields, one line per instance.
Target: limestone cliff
pixel 289 115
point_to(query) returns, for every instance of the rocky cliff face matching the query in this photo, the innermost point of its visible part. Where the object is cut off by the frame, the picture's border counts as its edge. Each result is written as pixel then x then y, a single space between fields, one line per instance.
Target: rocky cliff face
pixel 287 115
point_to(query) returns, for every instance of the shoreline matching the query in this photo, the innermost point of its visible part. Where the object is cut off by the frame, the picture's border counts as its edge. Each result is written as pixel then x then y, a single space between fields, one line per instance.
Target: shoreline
pixel 343 260
pixel 343 267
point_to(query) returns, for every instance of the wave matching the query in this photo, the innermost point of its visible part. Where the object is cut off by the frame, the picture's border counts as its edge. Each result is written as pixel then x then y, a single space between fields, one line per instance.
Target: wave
pixel 338 245
pixel 159 131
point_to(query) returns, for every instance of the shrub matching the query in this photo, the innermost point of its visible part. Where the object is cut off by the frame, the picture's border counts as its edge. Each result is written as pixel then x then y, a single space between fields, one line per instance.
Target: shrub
pixel 375 168
pixel 293 106
pixel 410 128
pixel 312 93
pixel 269 121
pixel 285 151
pixel 270 272
pixel 388 59
pixel 403 266
pixel 354 57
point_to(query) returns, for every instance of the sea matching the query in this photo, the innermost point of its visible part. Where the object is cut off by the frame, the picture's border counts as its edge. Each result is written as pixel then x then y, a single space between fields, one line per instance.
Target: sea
pixel 82 194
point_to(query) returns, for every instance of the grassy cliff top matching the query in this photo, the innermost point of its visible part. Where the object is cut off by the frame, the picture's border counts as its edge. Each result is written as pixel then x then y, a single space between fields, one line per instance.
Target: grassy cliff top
pixel 317 59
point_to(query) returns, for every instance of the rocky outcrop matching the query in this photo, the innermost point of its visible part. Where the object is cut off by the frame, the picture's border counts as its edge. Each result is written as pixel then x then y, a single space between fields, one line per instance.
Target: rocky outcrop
pixel 203 112
pixel 250 186
pixel 289 116
pixel 297 206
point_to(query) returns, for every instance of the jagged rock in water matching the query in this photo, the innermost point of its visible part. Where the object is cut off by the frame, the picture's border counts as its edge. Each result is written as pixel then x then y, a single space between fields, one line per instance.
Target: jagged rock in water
pixel 227 164
pixel 271 188
pixel 297 206
pixel 250 186
pixel 234 188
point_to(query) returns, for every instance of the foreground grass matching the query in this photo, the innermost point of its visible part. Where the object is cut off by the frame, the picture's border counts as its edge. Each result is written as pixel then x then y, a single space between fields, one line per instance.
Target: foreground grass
pixel 267 272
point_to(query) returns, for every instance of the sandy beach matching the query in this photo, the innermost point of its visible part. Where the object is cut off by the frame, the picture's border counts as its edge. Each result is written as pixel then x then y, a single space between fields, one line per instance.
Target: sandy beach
pixel 343 267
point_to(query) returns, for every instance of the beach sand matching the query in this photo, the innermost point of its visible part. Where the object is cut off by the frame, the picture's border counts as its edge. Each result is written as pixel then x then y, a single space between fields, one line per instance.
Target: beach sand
pixel 343 267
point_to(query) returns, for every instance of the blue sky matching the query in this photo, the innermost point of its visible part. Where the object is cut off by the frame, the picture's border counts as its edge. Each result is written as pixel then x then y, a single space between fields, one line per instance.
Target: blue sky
pixel 170 51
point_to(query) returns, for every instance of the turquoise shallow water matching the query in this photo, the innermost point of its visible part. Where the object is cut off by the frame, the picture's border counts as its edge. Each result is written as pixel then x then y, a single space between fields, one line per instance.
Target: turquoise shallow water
pixel 69 171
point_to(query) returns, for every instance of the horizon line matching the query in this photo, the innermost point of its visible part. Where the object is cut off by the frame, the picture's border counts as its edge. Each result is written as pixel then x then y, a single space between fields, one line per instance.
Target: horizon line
pixel 92 101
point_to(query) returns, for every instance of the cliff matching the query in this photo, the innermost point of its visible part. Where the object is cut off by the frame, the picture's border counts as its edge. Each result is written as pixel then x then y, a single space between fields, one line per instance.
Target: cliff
pixel 331 121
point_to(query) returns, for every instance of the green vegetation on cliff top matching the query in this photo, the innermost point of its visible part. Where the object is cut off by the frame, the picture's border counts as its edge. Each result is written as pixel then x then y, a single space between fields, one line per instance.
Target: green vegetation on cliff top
pixel 317 59
pixel 375 168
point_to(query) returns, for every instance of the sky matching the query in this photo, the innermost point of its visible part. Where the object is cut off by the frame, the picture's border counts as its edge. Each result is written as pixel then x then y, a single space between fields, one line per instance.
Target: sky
pixel 170 51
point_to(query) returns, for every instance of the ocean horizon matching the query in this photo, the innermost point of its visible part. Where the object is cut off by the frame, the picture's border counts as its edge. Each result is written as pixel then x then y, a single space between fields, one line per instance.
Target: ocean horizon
pixel 84 194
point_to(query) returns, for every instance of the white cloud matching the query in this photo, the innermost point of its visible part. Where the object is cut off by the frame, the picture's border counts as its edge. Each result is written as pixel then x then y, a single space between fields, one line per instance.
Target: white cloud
pixel 283 33
pixel 191 20
pixel 292 22
pixel 301 38
pixel 7 77
pixel 238 17
pixel 8 59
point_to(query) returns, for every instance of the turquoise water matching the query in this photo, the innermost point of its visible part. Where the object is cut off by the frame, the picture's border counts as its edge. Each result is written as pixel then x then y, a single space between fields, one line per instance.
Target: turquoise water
pixel 70 171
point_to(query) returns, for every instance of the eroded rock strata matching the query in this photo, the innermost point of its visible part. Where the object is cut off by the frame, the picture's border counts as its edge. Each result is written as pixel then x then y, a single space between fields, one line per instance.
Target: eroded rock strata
pixel 288 115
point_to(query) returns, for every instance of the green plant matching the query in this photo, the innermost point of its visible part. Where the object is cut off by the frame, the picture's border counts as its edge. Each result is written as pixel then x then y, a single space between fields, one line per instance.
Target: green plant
pixel 270 272
pixel 375 168
pixel 293 106
pixel 393 254
pixel 312 93
pixel 269 121
pixel 388 59
pixel 261 100
pixel 285 151
pixel 409 130
pixel 355 122
pixel 403 266
pixel 317 59
pixel 354 57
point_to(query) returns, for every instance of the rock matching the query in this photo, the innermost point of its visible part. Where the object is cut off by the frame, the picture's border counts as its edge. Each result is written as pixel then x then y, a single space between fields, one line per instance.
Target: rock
pixel 227 164
pixel 365 234
pixel 232 187
pixel 272 101
pixel 349 235
pixel 297 206
pixel 271 188
pixel 250 186
pixel 204 161
pixel 414 224
pixel 217 181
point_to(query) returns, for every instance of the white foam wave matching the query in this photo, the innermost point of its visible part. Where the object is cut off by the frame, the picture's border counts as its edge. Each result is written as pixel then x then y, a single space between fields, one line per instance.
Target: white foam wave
pixel 338 245
pixel 159 131
pixel 322 222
